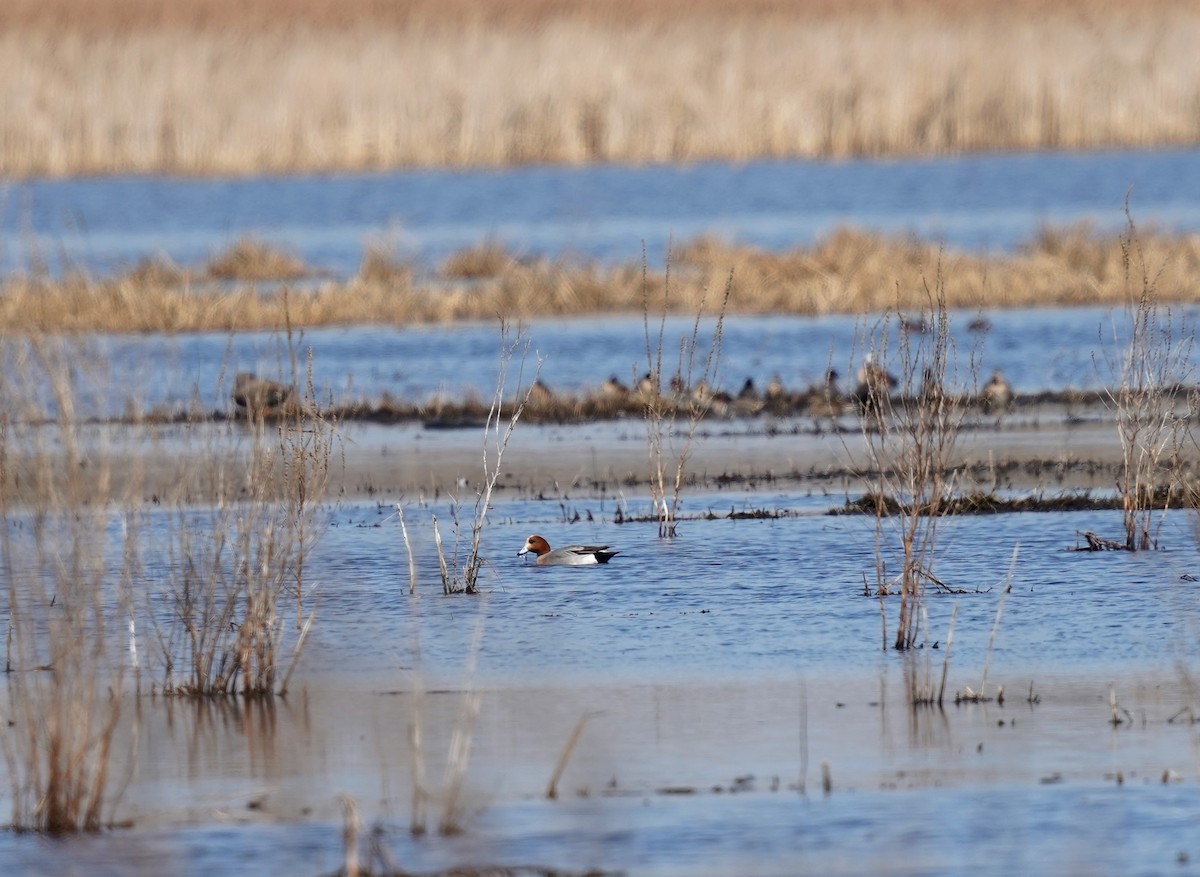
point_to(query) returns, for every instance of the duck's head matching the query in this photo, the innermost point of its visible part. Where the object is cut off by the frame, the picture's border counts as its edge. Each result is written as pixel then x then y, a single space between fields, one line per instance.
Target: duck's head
pixel 535 545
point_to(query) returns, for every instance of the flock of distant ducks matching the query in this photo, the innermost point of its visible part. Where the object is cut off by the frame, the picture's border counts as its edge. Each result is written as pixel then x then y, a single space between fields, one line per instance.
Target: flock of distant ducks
pixel 257 396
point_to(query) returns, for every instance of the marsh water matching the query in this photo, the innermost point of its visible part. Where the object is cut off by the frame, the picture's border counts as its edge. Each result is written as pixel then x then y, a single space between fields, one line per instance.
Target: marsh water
pixel 718 673
pixel 974 202
pixel 721 673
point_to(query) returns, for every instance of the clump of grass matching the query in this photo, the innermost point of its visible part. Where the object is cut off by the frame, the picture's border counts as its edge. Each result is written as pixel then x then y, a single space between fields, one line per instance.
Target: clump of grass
pixel 488 259
pixel 250 259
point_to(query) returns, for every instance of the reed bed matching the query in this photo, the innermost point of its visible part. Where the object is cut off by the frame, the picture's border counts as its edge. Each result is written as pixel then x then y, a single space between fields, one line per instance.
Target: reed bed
pixel 849 271
pixel 217 86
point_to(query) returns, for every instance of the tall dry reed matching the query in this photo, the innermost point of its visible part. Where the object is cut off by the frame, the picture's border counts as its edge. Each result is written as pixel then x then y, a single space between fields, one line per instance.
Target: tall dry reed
pixel 215 86
pixel 68 533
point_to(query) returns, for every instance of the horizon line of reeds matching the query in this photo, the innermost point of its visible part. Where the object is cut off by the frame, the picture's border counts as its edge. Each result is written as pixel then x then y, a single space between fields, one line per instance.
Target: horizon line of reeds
pixel 252 284
pixel 228 87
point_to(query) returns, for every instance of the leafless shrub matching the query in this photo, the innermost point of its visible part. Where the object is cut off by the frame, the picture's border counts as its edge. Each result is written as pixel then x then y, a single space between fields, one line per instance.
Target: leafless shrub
pixel 669 442
pixel 233 564
pixel 1149 397
pixel 461 575
pixel 910 437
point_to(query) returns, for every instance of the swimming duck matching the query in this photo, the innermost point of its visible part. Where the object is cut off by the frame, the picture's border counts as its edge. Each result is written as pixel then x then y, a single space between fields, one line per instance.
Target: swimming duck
pixel 571 555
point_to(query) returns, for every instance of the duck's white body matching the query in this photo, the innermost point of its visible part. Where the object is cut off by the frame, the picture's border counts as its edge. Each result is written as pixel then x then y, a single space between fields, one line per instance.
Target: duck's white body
pixel 571 555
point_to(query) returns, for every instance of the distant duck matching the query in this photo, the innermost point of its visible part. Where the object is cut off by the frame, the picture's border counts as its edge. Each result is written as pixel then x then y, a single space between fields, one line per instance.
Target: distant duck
pixel 716 401
pixel 979 324
pixel 775 388
pixel 825 399
pixel 875 383
pixel 614 389
pixel 915 325
pixel 997 393
pixel 678 387
pixel 571 555
pixel 647 386
pixel 258 395
pixel 540 394
pixel 931 387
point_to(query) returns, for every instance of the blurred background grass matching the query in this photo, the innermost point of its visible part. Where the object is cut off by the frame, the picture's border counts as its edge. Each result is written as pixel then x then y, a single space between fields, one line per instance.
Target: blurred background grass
pixel 254 86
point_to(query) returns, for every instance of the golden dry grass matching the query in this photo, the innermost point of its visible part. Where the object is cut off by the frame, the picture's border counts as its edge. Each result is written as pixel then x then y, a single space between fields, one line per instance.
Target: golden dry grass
pixel 244 86
pixel 847 272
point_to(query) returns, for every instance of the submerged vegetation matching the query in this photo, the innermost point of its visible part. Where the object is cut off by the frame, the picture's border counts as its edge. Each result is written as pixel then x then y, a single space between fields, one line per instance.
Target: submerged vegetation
pixel 222 86
pixel 848 271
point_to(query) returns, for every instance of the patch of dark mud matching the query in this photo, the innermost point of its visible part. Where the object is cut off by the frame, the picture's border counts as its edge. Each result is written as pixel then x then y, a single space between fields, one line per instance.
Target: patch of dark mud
pixel 981 504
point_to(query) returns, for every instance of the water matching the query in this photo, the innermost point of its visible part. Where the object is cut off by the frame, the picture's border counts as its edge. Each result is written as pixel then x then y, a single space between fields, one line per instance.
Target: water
pixel 1041 350
pixel 974 202
pixel 718 671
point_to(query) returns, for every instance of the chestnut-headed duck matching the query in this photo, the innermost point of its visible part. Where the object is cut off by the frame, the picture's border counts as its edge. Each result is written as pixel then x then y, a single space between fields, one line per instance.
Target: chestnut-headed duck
pixel 571 555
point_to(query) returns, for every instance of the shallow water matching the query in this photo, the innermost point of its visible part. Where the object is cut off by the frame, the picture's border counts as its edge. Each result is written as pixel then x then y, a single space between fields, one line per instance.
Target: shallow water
pixel 975 202
pixel 718 671
pixel 1037 350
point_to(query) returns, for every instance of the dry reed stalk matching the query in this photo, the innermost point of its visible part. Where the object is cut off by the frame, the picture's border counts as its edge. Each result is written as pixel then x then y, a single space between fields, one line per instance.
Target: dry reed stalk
pixel 351 827
pixel 213 86
pixel 412 562
pixel 565 756
pixel 946 655
pixel 66 601
pixel 459 754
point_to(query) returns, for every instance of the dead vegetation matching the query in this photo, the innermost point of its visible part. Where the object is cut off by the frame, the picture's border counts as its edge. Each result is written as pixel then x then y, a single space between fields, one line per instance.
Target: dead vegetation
pixel 217 86
pixel 848 271
pixel 910 426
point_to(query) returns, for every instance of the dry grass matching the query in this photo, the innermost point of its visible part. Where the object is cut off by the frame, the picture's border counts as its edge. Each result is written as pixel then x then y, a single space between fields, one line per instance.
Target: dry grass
pixel 220 86
pixel 847 272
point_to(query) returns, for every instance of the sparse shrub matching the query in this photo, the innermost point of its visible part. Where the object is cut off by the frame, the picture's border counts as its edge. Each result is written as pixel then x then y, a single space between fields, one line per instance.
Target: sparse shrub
pixel 670 442
pixel 1150 399
pixel 910 437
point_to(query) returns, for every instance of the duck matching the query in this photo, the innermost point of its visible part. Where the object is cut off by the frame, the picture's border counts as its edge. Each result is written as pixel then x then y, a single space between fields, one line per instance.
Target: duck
pixel 614 389
pixel 539 394
pixel 997 393
pixel 571 555
pixel 875 384
pixel 256 394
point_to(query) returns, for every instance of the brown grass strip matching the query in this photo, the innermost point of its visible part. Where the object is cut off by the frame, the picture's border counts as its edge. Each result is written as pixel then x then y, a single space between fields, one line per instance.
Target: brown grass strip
pixel 847 272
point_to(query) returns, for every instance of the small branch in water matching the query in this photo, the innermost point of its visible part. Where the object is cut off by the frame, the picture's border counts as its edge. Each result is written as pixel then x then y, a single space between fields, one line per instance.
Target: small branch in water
pixel 564 757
